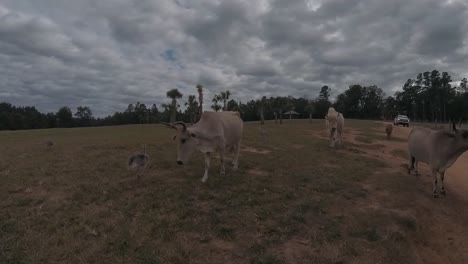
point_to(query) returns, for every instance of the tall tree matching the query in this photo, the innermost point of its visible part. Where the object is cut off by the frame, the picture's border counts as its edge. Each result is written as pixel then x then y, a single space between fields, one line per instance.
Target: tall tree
pixel 232 105
pixel 65 117
pixel 262 102
pixel 192 108
pixel 84 115
pixel 323 102
pixel 200 100
pixel 224 96
pixel 216 106
pixel 464 85
pixel 174 94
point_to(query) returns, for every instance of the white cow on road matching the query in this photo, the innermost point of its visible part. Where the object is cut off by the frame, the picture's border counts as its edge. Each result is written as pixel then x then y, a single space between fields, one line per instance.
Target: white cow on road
pixel 215 132
pixel 334 122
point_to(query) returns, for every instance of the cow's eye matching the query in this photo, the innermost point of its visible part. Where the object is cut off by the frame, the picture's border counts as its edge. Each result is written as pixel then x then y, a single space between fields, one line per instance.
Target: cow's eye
pixel 183 141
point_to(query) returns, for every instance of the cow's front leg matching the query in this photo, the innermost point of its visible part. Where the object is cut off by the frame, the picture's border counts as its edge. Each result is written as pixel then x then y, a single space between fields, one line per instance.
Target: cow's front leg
pixel 207 166
pixel 442 176
pixel 434 190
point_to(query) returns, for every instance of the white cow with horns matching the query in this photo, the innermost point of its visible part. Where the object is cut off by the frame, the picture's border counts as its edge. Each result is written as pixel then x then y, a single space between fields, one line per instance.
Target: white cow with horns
pixel 215 132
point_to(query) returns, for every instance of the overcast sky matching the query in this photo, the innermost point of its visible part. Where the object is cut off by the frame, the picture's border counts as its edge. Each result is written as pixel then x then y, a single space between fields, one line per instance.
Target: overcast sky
pixel 109 53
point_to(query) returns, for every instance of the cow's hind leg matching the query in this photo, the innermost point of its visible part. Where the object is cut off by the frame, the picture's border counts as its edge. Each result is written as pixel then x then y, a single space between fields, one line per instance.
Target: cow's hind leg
pixel 416 167
pixel 235 162
pixel 442 176
pixel 412 160
pixel 207 166
pixel 434 190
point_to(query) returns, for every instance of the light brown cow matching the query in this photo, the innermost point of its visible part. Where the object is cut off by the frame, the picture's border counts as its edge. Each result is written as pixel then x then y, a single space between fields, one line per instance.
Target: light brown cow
pixel 389 130
pixel 334 122
pixel 438 148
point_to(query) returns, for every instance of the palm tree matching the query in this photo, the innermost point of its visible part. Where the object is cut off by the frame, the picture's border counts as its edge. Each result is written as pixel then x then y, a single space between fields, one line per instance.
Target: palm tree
pixel 215 101
pixel 200 100
pixel 224 96
pixel 261 108
pixel 174 94
pixel 192 108
pixel 279 105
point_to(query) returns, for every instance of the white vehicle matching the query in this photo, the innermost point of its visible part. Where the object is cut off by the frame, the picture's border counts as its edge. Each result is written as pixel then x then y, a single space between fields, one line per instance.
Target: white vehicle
pixel 401 120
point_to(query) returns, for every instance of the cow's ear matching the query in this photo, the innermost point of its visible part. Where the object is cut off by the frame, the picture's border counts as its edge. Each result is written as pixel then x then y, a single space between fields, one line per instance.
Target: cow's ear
pixel 193 135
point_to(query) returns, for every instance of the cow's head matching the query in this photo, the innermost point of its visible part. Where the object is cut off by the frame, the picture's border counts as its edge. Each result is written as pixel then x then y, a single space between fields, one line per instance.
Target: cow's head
pixel 186 141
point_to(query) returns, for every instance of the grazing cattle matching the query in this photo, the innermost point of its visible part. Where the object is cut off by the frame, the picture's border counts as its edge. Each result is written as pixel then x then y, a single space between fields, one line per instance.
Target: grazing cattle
pixel 216 131
pixel 440 149
pixel 262 132
pixel 389 130
pixel 334 122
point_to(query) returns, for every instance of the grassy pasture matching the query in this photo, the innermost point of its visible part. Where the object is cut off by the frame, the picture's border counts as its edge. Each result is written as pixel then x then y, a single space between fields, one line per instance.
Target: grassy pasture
pixel 293 200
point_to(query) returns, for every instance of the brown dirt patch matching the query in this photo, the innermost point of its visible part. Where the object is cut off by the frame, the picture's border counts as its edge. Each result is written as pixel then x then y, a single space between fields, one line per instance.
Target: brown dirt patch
pixel 254 150
pixel 257 172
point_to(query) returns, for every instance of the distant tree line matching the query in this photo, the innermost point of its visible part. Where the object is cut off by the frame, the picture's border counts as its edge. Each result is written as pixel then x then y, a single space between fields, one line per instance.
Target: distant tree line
pixel 430 97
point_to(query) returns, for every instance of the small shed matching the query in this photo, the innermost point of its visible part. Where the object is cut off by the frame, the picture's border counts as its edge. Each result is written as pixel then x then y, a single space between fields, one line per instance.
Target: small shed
pixel 291 113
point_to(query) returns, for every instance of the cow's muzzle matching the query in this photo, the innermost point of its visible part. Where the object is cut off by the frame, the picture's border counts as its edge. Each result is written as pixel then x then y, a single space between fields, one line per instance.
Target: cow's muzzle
pixel 180 162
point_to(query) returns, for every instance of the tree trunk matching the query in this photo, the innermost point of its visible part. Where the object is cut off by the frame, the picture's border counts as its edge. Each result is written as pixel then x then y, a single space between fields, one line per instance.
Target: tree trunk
pixel 281 116
pixel 310 118
pixel 445 112
pixel 262 117
pixel 276 118
pixel 173 111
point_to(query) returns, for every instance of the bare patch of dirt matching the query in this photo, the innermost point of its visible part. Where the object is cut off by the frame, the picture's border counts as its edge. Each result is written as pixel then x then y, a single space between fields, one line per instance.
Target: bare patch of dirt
pixel 254 150
pixel 297 146
pixel 257 172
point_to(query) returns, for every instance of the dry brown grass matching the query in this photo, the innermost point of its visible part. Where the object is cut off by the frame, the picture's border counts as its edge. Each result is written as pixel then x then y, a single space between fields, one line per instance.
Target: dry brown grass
pixel 77 203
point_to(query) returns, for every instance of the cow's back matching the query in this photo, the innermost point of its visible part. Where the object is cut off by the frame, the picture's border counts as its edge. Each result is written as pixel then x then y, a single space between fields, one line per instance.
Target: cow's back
pixel 227 124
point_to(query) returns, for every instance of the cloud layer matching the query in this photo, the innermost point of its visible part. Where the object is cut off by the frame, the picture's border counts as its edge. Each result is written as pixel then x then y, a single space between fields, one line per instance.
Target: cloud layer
pixel 109 53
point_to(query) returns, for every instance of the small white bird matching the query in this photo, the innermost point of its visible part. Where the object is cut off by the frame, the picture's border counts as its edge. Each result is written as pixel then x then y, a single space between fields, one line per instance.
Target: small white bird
pixel 138 162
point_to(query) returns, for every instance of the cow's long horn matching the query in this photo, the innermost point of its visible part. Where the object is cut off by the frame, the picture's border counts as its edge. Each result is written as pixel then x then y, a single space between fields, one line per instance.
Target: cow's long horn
pixel 180 123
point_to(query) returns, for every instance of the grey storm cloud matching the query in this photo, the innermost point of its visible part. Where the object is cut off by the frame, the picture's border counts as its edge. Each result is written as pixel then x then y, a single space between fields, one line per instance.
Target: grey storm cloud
pixel 109 53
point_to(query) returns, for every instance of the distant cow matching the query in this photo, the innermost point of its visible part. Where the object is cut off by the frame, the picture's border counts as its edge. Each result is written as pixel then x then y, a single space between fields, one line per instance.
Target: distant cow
pixel 334 122
pixel 388 130
pixel 216 131
pixel 440 149
pixel 262 132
